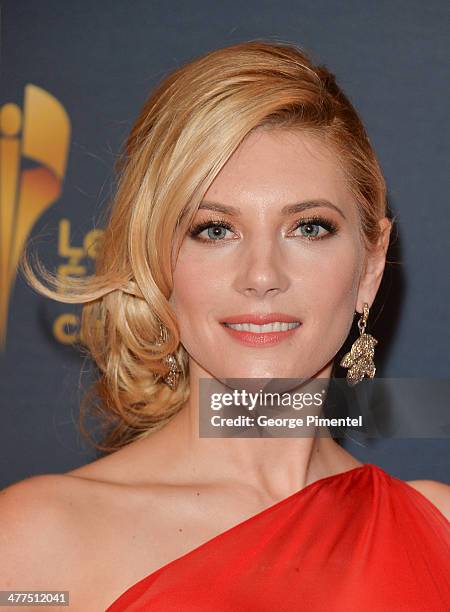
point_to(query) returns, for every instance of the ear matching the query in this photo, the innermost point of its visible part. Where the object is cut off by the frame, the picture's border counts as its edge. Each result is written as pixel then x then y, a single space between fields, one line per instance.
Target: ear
pixel 374 266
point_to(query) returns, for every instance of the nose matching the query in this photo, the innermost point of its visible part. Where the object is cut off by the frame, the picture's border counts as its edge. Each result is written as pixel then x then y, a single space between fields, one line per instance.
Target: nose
pixel 262 271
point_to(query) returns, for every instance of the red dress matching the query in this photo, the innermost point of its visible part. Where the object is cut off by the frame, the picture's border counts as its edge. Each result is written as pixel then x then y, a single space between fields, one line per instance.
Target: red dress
pixel 358 541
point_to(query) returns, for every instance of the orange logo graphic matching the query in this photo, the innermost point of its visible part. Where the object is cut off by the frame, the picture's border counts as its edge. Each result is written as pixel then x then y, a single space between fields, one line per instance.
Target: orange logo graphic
pixel 41 134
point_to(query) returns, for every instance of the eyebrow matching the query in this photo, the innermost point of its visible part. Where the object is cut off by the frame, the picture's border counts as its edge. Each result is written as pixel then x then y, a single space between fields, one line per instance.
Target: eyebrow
pixel 289 209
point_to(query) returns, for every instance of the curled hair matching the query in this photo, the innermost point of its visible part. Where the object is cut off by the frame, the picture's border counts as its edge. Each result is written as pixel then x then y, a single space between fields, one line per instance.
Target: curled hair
pixel 186 131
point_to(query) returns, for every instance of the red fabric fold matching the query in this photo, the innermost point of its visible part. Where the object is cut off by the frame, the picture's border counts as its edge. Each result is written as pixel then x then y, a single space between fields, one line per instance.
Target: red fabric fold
pixel 361 540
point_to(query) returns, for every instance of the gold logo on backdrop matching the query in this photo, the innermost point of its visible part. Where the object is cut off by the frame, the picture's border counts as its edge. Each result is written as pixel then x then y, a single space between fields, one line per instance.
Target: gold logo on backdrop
pixel 66 327
pixel 40 133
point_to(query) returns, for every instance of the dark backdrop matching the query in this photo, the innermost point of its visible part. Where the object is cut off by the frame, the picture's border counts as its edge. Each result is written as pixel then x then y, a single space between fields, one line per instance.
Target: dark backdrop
pixel 99 60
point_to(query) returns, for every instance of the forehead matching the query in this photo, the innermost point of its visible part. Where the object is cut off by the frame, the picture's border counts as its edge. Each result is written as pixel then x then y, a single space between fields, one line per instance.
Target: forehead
pixel 274 167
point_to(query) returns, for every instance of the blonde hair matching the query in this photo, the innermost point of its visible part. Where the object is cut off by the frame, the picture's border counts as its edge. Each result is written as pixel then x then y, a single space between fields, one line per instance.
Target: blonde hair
pixel 187 130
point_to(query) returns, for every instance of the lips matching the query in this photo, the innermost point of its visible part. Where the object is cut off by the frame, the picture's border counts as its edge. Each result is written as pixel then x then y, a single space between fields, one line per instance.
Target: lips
pixel 261 318
pixel 261 339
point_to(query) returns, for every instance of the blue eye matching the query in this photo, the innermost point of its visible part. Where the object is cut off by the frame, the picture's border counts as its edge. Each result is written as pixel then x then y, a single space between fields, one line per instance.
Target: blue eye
pixel 311 230
pixel 217 228
pixel 216 231
pixel 213 227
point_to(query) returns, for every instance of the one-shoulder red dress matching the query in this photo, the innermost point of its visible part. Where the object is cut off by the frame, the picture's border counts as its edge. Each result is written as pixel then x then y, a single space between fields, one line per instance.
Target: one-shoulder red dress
pixel 358 541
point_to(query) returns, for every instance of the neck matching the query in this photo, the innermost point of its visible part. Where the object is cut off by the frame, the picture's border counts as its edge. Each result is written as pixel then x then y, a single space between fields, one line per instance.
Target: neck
pixel 276 466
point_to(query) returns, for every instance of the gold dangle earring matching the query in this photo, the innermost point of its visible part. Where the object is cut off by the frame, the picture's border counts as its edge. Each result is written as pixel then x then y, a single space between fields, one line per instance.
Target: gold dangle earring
pixel 360 358
pixel 172 378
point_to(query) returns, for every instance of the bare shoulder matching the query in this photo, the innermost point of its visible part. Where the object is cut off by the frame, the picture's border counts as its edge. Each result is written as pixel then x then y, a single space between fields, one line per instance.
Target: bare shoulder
pixel 37 528
pixel 56 530
pixel 36 498
pixel 438 493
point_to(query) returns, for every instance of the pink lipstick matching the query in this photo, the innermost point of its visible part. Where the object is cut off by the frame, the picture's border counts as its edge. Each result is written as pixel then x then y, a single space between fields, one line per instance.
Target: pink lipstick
pixel 261 329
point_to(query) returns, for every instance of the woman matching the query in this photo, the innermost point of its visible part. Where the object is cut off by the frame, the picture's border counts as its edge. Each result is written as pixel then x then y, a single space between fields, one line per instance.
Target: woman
pixel 248 194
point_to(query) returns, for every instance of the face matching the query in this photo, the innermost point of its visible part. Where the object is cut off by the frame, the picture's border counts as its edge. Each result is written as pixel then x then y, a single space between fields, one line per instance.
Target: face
pixel 260 258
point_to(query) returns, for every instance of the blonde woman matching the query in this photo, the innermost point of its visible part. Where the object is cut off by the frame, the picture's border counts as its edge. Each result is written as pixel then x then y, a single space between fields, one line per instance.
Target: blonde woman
pixel 248 194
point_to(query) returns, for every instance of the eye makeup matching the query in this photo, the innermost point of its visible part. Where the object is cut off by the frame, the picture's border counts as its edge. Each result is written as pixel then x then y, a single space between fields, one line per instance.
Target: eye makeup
pixel 220 223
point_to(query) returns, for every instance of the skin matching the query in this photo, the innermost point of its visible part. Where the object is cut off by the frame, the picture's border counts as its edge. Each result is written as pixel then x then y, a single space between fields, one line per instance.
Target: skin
pixel 264 264
pixel 160 497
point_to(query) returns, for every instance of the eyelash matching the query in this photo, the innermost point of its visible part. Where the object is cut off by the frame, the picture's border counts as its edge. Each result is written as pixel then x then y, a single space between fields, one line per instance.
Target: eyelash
pixel 316 220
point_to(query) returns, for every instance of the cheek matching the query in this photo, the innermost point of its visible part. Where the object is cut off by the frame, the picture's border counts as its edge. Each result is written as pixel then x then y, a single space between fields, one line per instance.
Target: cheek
pixel 330 277
pixel 187 293
pixel 332 291
pixel 197 297
pixel 339 283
